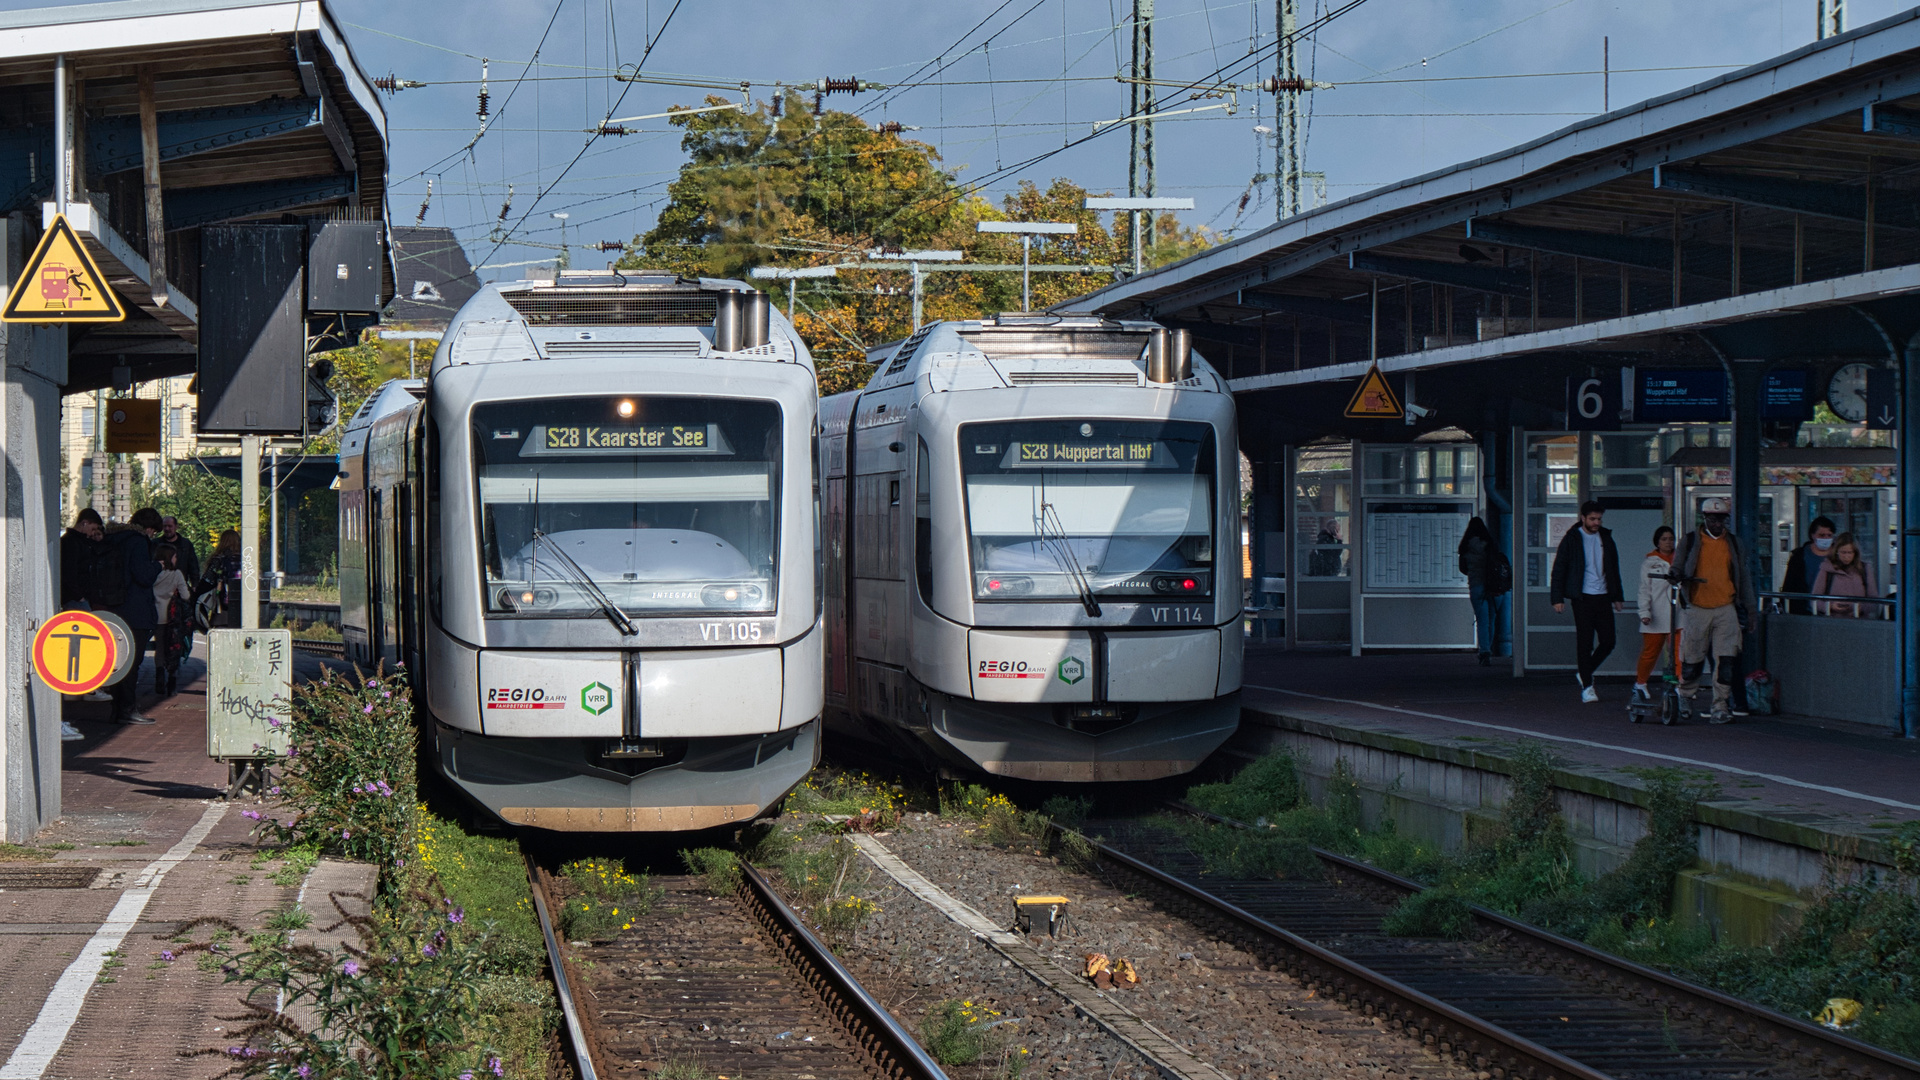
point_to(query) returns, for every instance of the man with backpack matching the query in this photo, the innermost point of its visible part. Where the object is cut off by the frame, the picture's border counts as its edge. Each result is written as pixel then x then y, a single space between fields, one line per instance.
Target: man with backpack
pixel 120 579
pixel 1717 592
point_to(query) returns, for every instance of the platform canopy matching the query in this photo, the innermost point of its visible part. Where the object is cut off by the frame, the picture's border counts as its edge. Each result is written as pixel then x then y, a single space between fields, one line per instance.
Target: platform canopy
pixel 1771 213
pixel 261 111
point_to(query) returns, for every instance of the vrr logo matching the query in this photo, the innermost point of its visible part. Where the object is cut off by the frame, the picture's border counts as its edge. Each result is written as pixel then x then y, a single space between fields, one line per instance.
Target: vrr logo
pixel 596 698
pixel 1072 670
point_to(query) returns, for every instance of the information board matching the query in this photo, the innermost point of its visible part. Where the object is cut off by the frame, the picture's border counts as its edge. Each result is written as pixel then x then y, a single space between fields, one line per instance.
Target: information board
pixel 1682 395
pixel 1785 395
pixel 1415 545
pixel 249 693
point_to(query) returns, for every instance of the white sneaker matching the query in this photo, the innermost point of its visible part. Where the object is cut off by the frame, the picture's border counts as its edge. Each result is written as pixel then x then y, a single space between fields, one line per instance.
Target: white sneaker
pixel 69 733
pixel 97 695
pixel 1589 695
pixel 1640 692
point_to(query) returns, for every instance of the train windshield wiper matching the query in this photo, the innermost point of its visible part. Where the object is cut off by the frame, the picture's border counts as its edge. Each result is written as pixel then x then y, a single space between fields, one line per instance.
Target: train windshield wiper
pixel 1054 536
pixel 579 577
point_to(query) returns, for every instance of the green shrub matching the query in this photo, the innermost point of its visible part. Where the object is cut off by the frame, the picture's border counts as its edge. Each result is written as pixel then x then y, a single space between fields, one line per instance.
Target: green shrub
pixel 1066 811
pixel 840 918
pixel 717 868
pixel 1263 790
pixel 1258 855
pixel 1433 913
pixel 403 1003
pixel 349 771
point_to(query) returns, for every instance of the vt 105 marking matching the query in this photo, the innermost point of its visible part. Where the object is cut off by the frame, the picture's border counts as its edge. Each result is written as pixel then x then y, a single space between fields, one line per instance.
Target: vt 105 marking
pixel 730 631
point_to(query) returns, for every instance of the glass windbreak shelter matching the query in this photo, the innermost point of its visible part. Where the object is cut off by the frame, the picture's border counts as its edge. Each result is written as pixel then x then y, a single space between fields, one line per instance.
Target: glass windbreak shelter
pixel 1620 470
pixel 1378 567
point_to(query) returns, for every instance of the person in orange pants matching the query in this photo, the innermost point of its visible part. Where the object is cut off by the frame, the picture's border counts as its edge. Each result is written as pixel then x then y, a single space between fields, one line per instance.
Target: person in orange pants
pixel 1656 609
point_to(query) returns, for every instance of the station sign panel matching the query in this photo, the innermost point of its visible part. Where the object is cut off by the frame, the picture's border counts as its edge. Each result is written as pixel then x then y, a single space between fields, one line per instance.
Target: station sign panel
pixel 61 284
pixel 1786 394
pixel 133 426
pixel 1593 403
pixel 1682 395
pixel 1883 399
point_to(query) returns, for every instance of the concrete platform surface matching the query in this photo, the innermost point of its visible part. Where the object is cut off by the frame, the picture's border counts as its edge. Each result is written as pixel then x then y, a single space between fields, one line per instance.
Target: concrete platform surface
pixel 88 994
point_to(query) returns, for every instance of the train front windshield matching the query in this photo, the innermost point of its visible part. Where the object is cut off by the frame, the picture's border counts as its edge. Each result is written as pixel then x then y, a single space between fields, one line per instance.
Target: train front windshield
pixel 662 505
pixel 1061 509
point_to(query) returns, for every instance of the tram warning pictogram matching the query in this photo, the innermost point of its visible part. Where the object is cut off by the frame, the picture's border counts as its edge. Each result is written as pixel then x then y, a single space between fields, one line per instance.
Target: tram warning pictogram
pixel 62 283
pixel 74 652
pixel 1374 400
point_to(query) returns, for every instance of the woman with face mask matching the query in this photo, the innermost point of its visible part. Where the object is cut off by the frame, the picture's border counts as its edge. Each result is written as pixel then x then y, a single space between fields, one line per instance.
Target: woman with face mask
pixel 1845 574
pixel 1806 561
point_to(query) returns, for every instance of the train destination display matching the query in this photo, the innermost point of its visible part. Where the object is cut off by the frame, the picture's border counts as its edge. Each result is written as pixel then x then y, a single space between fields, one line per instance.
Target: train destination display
pixel 638 438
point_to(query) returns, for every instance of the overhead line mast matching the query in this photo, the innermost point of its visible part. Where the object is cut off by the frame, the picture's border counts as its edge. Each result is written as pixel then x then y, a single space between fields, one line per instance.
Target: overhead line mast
pixel 1141 159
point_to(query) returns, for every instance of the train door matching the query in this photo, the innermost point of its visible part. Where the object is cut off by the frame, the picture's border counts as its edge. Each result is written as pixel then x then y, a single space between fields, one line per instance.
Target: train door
pixel 376 578
pixel 878 475
pixel 406 581
pixel 833 523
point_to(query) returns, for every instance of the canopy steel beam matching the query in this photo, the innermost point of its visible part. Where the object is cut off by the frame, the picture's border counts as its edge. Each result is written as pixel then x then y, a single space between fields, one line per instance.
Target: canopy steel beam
pixel 1492 279
pixel 1839 201
pixel 1646 251
pixel 1318 307
pixel 114 141
pixel 1882 120
pixel 187 207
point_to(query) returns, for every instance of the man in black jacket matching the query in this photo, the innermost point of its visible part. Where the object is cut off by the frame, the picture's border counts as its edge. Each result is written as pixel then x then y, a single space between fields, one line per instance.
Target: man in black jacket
pixel 135 544
pixel 183 546
pixel 1586 573
pixel 77 546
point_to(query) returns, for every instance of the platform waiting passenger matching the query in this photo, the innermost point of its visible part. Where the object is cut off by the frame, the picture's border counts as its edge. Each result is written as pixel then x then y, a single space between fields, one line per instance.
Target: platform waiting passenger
pixel 1717 593
pixel 1656 608
pixel 1588 561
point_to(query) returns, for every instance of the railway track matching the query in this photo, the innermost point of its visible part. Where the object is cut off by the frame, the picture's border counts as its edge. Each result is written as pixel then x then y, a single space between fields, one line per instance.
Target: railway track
pixel 737 984
pixel 1513 1001
pixel 322 648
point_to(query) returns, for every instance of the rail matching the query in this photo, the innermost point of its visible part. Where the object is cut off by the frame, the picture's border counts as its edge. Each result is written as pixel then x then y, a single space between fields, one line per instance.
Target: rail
pixel 872 1028
pixel 323 648
pixel 576 1031
pixel 1835 1053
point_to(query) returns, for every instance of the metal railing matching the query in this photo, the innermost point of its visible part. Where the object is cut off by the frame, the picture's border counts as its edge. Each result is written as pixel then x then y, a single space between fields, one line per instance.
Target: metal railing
pixel 1775 603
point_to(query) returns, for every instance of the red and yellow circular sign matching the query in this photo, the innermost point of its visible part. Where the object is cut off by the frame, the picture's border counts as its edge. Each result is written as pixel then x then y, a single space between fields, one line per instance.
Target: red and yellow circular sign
pixel 75 652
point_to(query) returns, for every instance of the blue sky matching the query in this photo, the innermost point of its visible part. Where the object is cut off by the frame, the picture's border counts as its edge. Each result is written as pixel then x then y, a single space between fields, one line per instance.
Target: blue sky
pixel 989 108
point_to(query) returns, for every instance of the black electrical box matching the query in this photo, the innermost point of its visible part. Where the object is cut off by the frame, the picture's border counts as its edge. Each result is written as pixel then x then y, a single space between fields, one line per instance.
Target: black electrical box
pixel 343 266
pixel 253 347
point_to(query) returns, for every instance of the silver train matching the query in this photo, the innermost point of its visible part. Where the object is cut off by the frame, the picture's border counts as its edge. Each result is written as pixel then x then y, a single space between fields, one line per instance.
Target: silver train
pixel 1033 554
pixel 591 536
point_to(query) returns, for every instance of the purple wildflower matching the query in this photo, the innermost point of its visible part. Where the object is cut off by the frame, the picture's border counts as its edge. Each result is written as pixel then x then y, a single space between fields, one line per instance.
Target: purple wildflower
pixel 166 954
pixel 457 915
pixel 368 710
pixel 371 683
pixel 274 721
pixel 386 693
pixel 496 1067
pixel 345 835
pixel 251 815
pixel 303 1072
pixel 350 968
pixel 429 951
pixel 468 1075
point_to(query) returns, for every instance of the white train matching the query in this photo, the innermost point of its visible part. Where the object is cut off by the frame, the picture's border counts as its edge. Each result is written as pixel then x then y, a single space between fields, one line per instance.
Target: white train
pixel 591 536
pixel 1032 550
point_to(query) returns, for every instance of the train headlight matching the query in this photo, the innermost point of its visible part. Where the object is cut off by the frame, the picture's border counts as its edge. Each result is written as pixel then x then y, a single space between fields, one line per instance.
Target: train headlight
pixel 731 595
pixel 1178 585
pixel 1008 585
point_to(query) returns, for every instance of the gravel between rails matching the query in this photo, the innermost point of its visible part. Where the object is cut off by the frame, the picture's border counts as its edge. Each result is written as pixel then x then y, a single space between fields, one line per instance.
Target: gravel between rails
pixel 1211 997
pixel 910 957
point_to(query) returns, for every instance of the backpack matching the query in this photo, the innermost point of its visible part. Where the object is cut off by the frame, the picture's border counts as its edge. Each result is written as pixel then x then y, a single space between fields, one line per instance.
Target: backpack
pixel 1763 693
pixel 179 626
pixel 1499 573
pixel 103 583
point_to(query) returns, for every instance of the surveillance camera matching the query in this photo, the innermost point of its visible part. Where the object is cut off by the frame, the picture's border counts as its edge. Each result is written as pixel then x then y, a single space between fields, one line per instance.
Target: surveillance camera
pixel 1418 410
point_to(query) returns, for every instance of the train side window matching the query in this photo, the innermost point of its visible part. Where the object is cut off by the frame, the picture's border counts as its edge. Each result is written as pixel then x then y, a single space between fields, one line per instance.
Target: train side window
pixel 923 524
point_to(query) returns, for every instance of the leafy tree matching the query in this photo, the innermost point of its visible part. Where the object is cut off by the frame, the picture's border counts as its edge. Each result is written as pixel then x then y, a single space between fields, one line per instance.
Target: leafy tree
pixel 798 187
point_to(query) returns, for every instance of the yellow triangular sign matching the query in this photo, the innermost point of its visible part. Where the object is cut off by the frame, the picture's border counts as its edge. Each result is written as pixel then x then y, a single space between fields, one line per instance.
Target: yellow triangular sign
pixel 62 283
pixel 1374 400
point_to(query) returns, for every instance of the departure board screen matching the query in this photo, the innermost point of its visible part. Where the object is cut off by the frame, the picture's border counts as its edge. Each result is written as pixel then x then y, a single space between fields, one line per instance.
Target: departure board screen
pixel 628 439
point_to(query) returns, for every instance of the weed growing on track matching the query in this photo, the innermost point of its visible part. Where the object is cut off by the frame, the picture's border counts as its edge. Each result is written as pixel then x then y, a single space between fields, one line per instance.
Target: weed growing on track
pixel 1066 811
pixel 684 1069
pixel 1002 824
pixel 717 868
pixel 851 794
pixel 956 1033
pixel 603 899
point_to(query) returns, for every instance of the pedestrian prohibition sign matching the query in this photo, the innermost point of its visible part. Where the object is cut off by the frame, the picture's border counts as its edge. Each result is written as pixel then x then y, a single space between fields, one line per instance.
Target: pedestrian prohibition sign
pixel 75 652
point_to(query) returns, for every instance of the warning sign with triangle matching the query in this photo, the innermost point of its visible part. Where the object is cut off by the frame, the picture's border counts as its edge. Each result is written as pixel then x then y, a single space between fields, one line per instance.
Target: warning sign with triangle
pixel 62 284
pixel 1374 400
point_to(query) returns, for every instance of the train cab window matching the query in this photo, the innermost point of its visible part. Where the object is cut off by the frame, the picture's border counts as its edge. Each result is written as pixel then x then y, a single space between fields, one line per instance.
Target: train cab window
pixel 1060 509
pixel 923 524
pixel 662 505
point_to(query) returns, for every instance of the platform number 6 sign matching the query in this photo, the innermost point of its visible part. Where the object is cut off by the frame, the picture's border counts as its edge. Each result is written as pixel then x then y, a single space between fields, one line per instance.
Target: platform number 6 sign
pixel 1593 403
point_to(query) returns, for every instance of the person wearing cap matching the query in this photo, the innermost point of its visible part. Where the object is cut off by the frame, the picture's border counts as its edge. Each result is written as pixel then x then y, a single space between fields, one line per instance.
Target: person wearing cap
pixel 1718 596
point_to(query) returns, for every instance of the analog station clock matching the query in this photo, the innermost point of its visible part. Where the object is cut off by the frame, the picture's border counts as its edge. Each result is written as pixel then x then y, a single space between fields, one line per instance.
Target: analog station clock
pixel 1847 393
